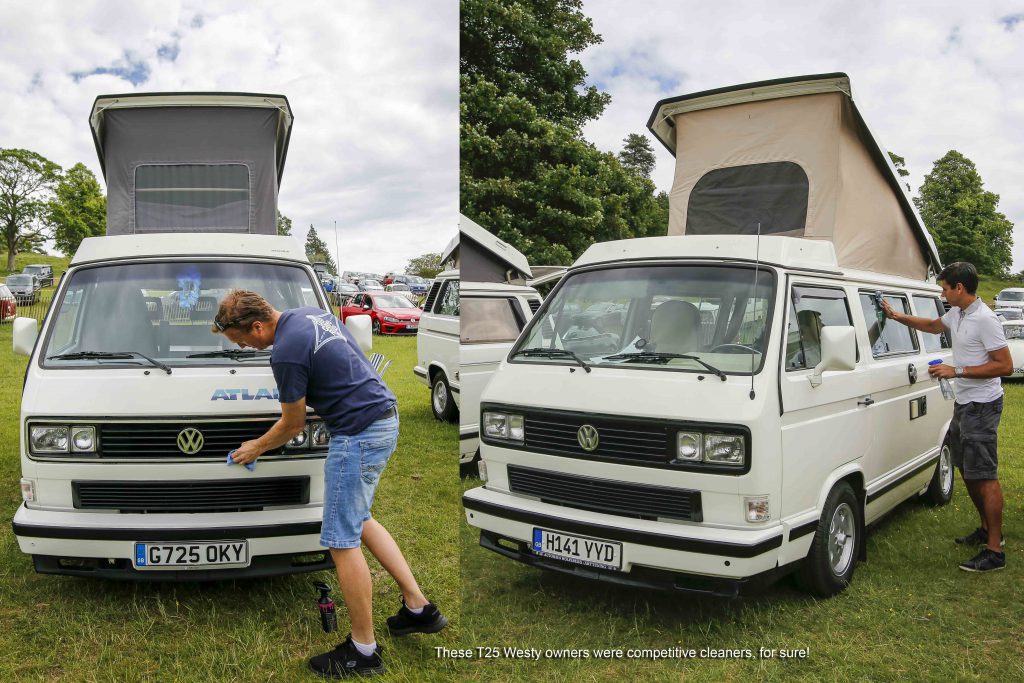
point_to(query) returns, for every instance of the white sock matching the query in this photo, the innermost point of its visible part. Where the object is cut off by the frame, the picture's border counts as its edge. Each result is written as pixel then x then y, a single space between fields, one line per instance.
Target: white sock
pixel 418 610
pixel 365 650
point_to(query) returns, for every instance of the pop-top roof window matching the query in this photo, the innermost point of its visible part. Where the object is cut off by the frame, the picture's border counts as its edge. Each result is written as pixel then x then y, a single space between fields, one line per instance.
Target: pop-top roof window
pixel 732 201
pixel 192 196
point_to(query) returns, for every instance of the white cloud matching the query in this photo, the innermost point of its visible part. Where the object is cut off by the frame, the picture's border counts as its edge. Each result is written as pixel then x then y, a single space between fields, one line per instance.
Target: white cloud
pixel 373 86
pixel 928 77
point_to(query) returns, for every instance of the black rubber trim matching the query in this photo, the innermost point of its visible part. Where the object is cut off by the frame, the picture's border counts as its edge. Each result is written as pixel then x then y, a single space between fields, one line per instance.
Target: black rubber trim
pixel 469 435
pixel 803 530
pixel 200 534
pixel 261 566
pixel 688 545
pixel 893 484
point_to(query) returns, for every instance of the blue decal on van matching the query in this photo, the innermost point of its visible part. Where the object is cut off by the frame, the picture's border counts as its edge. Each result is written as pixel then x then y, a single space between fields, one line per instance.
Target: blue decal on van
pixel 245 394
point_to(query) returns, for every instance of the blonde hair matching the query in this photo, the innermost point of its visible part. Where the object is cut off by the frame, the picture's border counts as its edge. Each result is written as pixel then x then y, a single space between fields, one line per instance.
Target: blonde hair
pixel 241 308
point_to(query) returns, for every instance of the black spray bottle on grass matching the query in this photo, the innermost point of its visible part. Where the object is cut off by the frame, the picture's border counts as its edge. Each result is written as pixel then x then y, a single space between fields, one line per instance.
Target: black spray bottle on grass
pixel 328 618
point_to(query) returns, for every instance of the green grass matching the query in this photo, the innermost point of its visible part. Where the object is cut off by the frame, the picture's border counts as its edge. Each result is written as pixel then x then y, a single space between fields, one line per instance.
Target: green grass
pixel 910 613
pixel 74 629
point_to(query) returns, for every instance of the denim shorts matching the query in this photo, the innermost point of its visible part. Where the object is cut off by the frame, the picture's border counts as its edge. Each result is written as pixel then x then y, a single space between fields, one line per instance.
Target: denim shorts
pixel 351 472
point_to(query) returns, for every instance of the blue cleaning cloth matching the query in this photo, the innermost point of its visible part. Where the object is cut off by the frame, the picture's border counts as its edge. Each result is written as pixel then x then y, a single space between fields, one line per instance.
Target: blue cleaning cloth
pixel 250 466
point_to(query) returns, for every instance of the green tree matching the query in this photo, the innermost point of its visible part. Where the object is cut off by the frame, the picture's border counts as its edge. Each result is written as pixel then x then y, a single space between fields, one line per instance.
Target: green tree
pixel 962 217
pixel 637 155
pixel 316 250
pixel 526 173
pixel 901 167
pixel 27 180
pixel 78 209
pixel 284 224
pixel 427 265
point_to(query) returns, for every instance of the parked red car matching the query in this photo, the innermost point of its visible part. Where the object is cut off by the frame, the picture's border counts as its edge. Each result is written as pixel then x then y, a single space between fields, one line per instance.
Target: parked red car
pixel 391 313
pixel 8 306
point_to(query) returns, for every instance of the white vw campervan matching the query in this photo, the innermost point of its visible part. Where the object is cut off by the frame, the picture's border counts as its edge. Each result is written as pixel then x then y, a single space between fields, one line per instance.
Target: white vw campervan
pixel 130 403
pixel 727 403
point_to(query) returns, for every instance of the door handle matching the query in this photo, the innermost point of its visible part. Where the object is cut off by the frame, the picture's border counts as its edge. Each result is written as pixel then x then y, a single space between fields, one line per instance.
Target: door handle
pixel 866 401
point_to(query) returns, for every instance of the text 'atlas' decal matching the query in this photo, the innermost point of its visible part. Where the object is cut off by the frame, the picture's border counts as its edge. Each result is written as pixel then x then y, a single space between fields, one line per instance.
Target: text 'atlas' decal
pixel 245 394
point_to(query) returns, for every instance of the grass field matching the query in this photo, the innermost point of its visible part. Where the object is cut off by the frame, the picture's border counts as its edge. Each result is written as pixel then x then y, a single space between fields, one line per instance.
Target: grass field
pixel 910 613
pixel 72 629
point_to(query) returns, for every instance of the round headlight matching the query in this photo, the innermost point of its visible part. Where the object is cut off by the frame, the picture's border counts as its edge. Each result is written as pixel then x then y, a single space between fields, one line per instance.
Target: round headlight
pixel 298 441
pixel 688 446
pixel 83 439
pixel 321 437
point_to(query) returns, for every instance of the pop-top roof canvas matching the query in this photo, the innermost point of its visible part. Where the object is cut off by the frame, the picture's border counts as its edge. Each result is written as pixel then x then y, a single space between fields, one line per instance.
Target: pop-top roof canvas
pixel 791 158
pixel 202 162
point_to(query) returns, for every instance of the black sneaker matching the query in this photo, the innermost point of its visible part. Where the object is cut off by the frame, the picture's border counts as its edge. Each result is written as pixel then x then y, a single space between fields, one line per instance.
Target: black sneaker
pixel 430 620
pixel 345 660
pixel 985 561
pixel 977 537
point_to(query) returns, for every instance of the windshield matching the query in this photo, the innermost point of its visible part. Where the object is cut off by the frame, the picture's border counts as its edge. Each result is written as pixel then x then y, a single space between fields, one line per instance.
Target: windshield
pixel 32 270
pixel 1010 296
pixel 629 316
pixel 19 279
pixel 163 310
pixel 392 302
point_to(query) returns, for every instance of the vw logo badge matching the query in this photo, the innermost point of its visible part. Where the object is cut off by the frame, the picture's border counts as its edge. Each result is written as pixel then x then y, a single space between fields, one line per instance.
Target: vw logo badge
pixel 190 441
pixel 587 437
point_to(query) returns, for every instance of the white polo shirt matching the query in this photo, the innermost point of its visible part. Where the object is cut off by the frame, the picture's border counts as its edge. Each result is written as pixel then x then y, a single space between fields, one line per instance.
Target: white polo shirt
pixel 975 331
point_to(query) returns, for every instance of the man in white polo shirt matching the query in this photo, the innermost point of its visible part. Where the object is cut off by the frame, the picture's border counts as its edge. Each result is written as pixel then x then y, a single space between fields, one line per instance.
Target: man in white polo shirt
pixel 980 358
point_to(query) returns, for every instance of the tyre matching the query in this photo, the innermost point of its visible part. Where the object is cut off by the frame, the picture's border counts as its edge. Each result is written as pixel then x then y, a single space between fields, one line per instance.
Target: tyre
pixel 828 567
pixel 940 489
pixel 376 327
pixel 441 401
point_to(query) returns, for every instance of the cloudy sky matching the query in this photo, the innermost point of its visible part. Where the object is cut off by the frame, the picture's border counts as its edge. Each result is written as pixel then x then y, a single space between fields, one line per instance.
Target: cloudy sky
pixel 373 86
pixel 927 76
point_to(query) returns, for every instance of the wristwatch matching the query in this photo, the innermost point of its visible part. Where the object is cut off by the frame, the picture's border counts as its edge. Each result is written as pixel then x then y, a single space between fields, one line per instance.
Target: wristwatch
pixel 958 371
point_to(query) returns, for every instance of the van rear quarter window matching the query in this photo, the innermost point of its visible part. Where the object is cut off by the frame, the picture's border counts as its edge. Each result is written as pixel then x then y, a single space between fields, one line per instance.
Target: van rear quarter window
pixel 931 307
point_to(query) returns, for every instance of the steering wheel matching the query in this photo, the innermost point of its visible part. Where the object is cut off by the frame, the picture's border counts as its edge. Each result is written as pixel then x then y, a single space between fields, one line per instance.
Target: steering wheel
pixel 733 348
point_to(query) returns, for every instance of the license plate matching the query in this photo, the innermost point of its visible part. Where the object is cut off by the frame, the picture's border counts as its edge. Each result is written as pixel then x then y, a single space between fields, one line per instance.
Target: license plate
pixel 411 326
pixel 189 555
pixel 592 552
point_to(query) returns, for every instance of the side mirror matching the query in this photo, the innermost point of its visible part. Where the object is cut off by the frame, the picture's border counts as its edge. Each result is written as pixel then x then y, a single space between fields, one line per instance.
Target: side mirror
pixel 838 351
pixel 360 327
pixel 24 335
pixel 367 307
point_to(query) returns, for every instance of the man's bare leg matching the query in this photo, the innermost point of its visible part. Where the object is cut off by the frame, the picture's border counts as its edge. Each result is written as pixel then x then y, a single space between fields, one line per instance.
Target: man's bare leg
pixel 357 590
pixel 991 495
pixel 383 546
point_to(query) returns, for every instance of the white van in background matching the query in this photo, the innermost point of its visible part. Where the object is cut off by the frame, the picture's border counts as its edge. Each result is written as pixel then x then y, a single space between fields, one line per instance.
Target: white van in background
pixel 437 345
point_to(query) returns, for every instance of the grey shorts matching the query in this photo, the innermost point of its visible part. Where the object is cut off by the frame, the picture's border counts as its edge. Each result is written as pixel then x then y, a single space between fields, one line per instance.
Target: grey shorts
pixel 972 438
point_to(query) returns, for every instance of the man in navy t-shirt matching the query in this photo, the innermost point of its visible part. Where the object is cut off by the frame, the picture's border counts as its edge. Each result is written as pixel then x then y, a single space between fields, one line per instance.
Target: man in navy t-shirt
pixel 316 361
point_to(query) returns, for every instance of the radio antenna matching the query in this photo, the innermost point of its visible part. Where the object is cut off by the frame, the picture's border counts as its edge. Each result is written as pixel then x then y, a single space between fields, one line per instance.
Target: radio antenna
pixel 753 291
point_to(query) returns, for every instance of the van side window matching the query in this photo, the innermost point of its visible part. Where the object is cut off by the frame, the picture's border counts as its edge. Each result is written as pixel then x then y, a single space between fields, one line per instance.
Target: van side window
pixel 489 320
pixel 192 196
pixel 887 337
pixel 812 308
pixel 733 200
pixel 931 307
pixel 448 302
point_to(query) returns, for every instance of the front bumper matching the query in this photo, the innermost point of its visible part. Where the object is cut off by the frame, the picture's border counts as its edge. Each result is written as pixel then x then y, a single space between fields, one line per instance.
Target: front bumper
pixel 398 328
pixel 103 544
pixel 688 549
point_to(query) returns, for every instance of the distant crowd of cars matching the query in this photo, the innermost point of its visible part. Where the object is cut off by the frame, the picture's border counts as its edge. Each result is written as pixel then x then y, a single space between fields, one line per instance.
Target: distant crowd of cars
pixel 23 289
pixel 392 301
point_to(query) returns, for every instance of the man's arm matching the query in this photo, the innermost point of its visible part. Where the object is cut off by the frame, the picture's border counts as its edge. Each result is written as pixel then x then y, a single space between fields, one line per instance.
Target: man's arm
pixel 291 422
pixel 924 324
pixel 999 364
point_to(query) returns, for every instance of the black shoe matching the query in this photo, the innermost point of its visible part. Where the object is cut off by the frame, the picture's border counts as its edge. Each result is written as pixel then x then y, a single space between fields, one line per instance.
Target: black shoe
pixel 430 620
pixel 977 537
pixel 345 660
pixel 985 561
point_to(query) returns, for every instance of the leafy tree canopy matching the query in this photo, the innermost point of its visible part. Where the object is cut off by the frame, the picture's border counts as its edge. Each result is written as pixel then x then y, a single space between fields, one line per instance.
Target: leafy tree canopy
pixel 962 217
pixel 78 209
pixel 316 250
pixel 284 224
pixel 427 265
pixel 27 180
pixel 637 155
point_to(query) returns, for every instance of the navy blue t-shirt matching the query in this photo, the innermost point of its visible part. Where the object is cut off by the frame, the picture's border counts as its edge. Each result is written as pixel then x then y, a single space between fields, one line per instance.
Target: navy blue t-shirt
pixel 315 357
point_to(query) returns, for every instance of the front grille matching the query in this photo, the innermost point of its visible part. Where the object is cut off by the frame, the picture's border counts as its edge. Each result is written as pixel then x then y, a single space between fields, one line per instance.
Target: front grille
pixel 602 495
pixel 160 439
pixel 619 438
pixel 190 496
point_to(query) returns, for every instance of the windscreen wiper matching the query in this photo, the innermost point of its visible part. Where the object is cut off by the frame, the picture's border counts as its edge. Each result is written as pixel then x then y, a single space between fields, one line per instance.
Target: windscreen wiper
pixel 109 355
pixel 662 357
pixel 553 353
pixel 236 354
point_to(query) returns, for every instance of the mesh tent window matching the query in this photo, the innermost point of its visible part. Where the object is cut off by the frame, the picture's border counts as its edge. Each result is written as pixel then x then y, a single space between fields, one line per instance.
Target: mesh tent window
pixel 732 201
pixel 196 196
